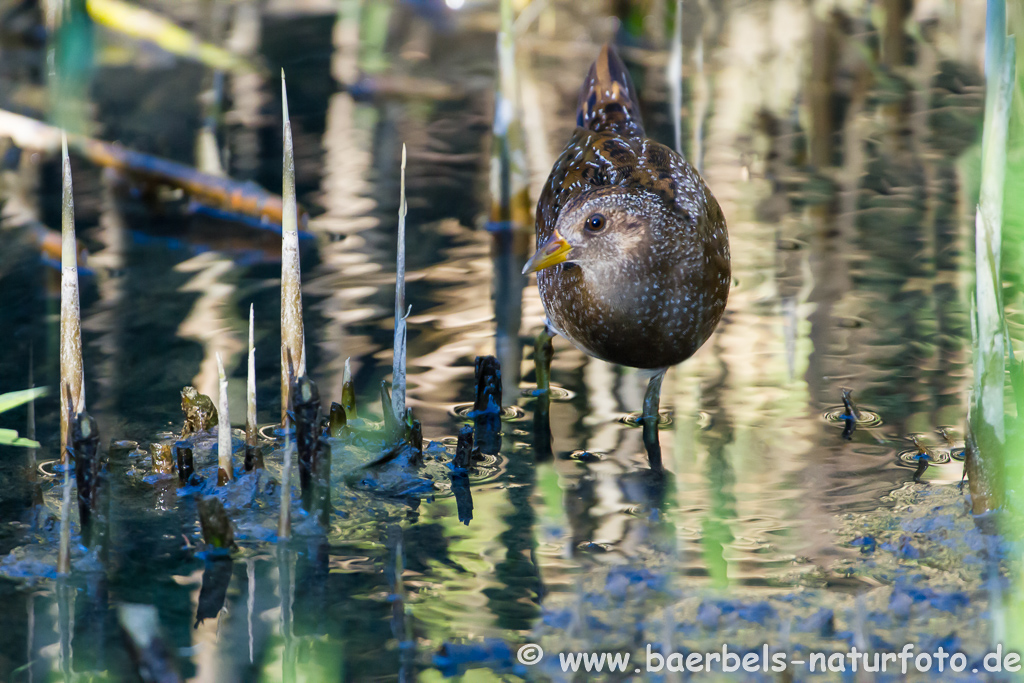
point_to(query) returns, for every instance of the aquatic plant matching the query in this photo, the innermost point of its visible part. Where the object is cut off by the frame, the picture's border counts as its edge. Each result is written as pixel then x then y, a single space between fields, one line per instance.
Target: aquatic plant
pixel 986 436
pixel 399 360
pixel 293 343
pixel 13 399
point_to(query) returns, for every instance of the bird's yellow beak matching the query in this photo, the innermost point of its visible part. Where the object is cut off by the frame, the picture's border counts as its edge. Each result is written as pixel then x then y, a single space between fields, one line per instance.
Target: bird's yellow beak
pixel 551 253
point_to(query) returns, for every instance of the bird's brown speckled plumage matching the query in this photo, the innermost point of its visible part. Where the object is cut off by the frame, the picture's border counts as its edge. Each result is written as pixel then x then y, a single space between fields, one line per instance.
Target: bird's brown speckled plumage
pixel 649 290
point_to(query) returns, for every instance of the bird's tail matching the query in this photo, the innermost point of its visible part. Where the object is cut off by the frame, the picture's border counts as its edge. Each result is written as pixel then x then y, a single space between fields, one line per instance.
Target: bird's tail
pixel 608 99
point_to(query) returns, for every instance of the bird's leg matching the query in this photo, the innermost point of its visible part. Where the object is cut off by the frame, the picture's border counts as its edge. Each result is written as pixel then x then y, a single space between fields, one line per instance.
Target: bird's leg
pixel 652 399
pixel 543 350
pixel 652 402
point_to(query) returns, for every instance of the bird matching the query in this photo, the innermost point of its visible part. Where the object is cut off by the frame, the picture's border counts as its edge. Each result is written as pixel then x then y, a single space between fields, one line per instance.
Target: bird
pixel 632 251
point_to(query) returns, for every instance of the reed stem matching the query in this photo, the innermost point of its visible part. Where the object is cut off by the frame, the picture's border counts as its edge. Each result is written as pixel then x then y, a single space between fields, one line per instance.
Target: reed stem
pixel 72 372
pixel 225 471
pixel 398 366
pixel 293 344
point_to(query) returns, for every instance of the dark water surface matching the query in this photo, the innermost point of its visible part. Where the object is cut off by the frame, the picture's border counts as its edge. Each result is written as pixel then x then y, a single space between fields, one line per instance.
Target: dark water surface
pixel 840 151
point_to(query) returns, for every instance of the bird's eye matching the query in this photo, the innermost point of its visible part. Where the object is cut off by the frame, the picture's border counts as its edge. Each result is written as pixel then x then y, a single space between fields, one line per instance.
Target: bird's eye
pixel 595 223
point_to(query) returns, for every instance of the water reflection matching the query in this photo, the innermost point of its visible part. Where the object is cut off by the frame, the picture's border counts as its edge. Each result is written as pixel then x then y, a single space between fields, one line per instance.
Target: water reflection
pixel 832 145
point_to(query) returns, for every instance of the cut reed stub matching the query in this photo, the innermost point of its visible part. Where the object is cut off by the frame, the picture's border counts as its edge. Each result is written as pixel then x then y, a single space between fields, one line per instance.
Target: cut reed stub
pixel 90 478
pixel 415 440
pixel 254 458
pixel 337 422
pixel 162 458
pixel 464 449
pixel 218 532
pixel 305 414
pixel 186 466
pixel 151 654
pixel 488 386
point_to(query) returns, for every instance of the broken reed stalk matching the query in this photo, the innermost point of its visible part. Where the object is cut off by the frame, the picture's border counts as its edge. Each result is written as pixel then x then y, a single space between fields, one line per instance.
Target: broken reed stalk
pixel 253 456
pixel 153 657
pixel 284 522
pixel 72 372
pixel 987 437
pixel 398 363
pixel 293 344
pixel 225 472
pixel 675 77
pixel 348 392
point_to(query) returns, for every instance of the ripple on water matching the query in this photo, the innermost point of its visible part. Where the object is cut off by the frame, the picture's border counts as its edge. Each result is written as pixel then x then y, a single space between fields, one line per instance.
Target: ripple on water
pixel 865 418
pixel 635 419
pixel 558 394
pixel 913 457
pixel 508 413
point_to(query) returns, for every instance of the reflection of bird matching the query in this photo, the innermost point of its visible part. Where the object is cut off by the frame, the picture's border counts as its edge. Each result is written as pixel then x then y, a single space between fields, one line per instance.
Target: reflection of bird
pixel 631 245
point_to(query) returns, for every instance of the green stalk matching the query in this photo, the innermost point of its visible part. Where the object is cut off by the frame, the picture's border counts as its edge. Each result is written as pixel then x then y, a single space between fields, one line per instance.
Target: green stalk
pixel 987 437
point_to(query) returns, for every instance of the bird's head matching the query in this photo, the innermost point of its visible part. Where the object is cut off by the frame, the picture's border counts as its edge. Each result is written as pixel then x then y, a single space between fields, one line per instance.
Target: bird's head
pixel 606 227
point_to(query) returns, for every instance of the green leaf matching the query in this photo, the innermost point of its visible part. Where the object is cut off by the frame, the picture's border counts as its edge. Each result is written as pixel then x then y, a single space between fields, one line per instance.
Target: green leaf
pixel 13 399
pixel 9 437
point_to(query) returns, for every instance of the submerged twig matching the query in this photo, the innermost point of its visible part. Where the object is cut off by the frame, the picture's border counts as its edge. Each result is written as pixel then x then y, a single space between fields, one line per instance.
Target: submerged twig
pixel 398 363
pixel 293 343
pixel 225 472
pixel 72 372
pixel 226 194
